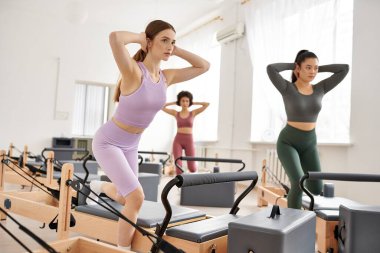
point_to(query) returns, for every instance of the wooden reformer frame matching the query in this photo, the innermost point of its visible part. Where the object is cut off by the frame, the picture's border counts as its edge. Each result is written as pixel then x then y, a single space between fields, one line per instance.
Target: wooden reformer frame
pixel 12 174
pixel 64 243
pixel 39 206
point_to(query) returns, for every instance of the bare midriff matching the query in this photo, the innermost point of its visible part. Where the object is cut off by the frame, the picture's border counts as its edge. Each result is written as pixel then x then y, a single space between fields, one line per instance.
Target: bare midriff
pixel 185 130
pixel 128 128
pixel 305 126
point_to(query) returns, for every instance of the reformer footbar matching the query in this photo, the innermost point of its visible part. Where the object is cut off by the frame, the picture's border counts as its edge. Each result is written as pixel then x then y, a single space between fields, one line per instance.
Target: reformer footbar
pixel 208 235
pixel 214 195
pixel 328 213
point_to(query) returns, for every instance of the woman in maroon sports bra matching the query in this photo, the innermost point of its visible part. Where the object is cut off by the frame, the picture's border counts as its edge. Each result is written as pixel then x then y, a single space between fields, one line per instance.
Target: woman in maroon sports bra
pixel 184 138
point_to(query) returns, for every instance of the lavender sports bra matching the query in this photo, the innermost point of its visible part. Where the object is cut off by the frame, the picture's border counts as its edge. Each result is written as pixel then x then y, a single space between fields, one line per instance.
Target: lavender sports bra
pixel 139 108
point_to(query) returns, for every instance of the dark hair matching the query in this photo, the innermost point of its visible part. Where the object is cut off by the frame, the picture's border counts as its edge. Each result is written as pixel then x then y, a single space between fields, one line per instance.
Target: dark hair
pixel 184 94
pixel 300 58
pixel 151 30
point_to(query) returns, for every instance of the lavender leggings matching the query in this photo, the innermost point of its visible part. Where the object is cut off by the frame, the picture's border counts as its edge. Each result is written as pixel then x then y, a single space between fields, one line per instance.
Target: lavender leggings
pixel 184 141
pixel 116 152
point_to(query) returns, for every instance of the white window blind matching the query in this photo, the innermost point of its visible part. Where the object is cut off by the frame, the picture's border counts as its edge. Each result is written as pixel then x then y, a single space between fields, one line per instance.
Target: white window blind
pixel 90 110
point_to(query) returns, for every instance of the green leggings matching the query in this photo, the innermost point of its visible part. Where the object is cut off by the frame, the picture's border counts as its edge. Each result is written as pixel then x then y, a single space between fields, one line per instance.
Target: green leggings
pixel 297 151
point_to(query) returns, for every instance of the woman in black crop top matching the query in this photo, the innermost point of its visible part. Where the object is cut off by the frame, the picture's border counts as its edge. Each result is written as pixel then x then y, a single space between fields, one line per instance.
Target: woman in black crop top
pixel 297 142
pixel 184 138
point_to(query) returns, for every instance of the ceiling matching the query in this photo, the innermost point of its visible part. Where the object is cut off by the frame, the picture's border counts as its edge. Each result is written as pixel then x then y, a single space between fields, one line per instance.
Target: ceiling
pixel 127 14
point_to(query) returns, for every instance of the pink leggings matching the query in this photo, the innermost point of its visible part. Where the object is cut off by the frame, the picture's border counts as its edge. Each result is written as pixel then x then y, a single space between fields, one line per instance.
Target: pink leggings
pixel 184 141
pixel 115 151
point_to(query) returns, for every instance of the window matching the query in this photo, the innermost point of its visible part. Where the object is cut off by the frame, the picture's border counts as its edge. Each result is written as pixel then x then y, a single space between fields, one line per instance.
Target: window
pixel 90 108
pixel 276 31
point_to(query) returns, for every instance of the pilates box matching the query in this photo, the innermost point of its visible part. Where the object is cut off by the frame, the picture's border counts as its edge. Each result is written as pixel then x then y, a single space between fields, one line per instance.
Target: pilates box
pixel 289 231
pixel 359 229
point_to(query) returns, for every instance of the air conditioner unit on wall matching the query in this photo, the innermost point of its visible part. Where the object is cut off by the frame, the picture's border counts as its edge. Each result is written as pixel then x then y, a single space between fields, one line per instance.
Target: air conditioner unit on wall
pixel 230 33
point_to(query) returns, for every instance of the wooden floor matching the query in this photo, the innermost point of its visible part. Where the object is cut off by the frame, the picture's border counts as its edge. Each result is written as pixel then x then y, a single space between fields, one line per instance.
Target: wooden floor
pixel 8 245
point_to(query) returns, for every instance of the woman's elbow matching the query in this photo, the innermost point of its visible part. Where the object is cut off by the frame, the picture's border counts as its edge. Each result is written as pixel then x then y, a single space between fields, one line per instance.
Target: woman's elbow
pixel 346 67
pixel 113 38
pixel 206 66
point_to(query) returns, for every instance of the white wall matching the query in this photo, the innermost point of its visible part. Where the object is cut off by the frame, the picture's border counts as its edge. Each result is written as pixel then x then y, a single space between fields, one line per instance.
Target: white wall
pixel 364 156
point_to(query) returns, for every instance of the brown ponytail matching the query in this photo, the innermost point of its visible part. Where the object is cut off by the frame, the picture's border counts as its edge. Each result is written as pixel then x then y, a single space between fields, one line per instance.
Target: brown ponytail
pixel 140 55
pixel 117 93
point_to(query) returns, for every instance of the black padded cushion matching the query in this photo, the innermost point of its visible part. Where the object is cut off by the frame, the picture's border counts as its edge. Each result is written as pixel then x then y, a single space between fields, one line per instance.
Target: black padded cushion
pixel 150 213
pixel 203 230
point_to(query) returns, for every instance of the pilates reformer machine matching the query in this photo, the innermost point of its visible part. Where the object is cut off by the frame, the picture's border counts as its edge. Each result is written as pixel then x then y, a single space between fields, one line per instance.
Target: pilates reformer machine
pixel 207 235
pixel 64 244
pixel 212 195
pixel 43 206
pixel 343 225
pixel 274 183
pixel 152 214
pixel 156 217
pixel 46 171
pixel 40 207
pixel 39 166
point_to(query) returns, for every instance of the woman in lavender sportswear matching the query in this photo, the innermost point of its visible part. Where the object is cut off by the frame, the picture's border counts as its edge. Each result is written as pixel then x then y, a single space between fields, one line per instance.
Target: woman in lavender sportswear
pixel 140 93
